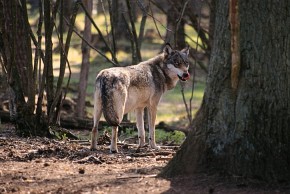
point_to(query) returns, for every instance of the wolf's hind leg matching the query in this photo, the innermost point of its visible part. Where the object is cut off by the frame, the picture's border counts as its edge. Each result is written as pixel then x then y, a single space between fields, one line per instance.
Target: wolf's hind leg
pixel 119 100
pixel 140 126
pixel 97 116
pixel 114 147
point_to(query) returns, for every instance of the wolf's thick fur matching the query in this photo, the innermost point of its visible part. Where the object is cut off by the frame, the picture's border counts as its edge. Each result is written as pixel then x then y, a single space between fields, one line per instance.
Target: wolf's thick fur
pixel 120 90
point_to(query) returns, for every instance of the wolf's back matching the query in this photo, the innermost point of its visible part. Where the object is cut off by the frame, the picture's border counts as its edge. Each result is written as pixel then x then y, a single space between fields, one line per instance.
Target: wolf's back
pixel 107 96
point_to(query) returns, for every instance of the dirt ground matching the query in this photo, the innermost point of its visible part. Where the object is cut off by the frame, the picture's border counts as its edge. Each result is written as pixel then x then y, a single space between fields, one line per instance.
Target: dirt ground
pixel 41 165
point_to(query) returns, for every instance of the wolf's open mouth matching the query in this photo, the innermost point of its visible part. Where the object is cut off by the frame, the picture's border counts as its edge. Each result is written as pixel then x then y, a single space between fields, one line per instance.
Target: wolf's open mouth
pixel 184 77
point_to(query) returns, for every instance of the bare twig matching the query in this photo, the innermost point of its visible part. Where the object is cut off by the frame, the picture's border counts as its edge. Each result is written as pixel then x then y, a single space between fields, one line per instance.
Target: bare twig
pixel 181 15
pixel 131 40
pixel 195 42
pixel 158 6
pixel 59 94
pixel 155 24
pixel 189 108
pixel 100 34
pixel 203 35
pixel 90 45
pixel 144 9
pixel 106 23
pixel 98 51
pixel 178 22
pixel 142 26
pixel 138 53
pixel 112 28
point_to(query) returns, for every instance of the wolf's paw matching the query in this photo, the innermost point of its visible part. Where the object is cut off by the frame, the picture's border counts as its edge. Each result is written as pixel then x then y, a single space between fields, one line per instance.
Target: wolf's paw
pixel 142 148
pixel 93 148
pixel 113 151
pixel 155 147
pixel 142 145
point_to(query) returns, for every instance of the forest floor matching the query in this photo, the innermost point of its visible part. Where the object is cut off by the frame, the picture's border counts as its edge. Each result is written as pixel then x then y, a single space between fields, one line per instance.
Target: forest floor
pixel 41 165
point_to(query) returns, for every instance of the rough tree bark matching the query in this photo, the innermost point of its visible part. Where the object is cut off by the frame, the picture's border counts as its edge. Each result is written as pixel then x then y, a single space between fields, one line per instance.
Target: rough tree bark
pixel 23 54
pixel 246 131
pixel 80 109
pixel 21 111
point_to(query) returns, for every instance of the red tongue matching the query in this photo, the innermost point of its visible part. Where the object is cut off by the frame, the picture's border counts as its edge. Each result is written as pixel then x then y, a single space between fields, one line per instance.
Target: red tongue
pixel 186 77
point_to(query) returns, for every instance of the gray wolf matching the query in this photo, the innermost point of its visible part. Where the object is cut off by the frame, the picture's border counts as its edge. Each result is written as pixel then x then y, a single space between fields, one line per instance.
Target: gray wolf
pixel 120 90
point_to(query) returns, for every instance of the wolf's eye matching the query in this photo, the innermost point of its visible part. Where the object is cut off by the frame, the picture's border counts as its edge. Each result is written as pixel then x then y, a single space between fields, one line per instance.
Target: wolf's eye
pixel 176 64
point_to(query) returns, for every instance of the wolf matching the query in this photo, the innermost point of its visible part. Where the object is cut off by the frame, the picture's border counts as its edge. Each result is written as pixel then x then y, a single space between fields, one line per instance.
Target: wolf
pixel 120 90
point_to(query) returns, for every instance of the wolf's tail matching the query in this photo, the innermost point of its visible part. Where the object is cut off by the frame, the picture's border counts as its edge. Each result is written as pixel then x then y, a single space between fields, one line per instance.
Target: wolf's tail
pixel 108 104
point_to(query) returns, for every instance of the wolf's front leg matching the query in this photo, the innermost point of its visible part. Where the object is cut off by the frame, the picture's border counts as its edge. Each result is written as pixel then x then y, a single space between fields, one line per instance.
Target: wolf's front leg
pixel 152 117
pixel 140 126
pixel 114 147
pixel 94 138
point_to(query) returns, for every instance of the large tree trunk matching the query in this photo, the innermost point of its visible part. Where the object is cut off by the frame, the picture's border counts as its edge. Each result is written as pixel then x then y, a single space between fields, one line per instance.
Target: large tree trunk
pixel 244 131
pixel 80 109
pixel 23 53
pixel 19 73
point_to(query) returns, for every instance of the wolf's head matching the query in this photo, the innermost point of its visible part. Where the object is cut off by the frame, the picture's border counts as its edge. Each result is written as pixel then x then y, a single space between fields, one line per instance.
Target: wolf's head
pixel 177 62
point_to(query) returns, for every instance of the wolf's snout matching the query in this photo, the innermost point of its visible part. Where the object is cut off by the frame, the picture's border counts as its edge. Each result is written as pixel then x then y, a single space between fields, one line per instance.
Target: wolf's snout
pixel 184 77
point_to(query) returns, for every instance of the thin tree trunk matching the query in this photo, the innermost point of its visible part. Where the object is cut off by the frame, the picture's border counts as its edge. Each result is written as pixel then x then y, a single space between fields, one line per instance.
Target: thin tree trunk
pixel 28 62
pixel 67 12
pixel 118 21
pixel 245 132
pixel 48 54
pixel 80 109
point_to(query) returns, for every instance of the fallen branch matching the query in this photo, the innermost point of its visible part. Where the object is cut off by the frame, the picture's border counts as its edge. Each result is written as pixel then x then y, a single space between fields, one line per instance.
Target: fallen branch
pixel 85 123
pixel 137 176
pixel 153 154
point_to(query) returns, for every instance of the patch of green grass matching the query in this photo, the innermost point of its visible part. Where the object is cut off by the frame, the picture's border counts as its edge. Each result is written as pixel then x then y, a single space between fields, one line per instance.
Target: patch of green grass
pixel 163 137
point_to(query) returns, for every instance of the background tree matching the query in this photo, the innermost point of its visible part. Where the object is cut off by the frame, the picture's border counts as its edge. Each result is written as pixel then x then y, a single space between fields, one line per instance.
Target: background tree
pixel 16 55
pixel 244 130
pixel 175 34
pixel 80 109
pixel 118 11
pixel 14 18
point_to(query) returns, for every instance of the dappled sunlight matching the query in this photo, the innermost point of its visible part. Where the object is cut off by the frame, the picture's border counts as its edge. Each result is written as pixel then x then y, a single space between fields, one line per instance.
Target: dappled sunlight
pixel 75 59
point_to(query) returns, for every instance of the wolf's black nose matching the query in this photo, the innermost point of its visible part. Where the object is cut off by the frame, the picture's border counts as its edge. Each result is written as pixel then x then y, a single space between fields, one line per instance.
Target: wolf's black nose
pixel 185 75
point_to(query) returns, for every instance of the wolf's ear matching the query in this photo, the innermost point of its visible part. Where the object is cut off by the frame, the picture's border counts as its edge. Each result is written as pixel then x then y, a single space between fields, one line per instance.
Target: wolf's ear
pixel 186 50
pixel 167 50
